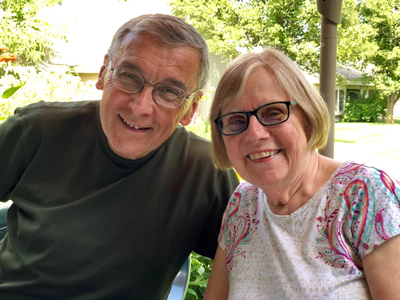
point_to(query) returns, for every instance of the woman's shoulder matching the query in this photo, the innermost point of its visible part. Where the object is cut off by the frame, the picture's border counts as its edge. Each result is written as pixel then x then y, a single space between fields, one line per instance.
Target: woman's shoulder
pixel 353 174
pixel 247 191
pixel 245 197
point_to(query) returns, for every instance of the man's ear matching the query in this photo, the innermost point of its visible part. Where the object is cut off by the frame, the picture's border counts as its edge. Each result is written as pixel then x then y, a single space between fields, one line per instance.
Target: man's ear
pixel 102 73
pixel 187 119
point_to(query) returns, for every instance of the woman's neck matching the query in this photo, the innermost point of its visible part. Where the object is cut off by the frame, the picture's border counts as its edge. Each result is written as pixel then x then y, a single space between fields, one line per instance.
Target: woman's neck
pixel 298 188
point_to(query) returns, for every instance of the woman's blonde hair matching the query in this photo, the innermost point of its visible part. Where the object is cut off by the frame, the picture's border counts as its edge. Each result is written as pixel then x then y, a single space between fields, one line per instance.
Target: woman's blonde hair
pixel 292 81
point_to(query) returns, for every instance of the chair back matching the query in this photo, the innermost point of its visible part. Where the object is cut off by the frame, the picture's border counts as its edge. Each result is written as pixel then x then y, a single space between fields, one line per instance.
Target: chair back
pixel 181 282
pixel 3 221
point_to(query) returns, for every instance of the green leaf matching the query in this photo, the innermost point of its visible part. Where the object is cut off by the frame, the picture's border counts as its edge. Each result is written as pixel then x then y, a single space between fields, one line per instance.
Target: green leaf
pixel 190 291
pixel 201 270
pixel 11 91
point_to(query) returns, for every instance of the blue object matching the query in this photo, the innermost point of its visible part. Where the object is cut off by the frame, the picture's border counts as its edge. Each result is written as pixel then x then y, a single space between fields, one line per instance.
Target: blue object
pixel 3 221
pixel 181 282
pixel 179 286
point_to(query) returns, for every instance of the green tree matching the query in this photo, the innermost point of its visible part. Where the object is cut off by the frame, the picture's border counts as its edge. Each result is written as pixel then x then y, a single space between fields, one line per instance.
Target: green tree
pixel 293 26
pixel 369 33
pixel 26 33
pixel 384 17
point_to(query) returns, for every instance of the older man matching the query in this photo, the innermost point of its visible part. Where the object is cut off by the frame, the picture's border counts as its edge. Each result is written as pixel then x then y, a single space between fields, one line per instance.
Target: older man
pixel 110 197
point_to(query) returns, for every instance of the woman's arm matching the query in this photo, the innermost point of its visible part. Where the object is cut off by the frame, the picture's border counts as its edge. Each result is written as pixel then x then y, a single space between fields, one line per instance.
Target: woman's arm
pixel 382 270
pixel 218 286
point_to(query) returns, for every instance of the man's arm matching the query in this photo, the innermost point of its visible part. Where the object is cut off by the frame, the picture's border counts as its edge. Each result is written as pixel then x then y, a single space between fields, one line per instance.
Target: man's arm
pixel 218 285
pixel 382 270
pixel 12 154
pixel 222 191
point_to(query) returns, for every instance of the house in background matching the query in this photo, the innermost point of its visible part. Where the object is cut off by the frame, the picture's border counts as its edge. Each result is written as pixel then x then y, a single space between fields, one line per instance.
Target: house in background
pixel 342 93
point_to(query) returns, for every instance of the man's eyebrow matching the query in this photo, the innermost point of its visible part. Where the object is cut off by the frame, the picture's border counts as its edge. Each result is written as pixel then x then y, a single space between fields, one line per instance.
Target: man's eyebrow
pixel 175 82
pixel 129 65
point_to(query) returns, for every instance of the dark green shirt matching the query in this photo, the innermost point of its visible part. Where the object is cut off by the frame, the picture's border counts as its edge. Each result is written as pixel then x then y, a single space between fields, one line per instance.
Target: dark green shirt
pixel 88 224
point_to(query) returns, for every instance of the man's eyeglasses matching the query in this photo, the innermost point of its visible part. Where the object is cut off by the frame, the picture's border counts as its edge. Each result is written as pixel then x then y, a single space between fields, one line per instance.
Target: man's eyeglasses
pixel 132 82
pixel 270 114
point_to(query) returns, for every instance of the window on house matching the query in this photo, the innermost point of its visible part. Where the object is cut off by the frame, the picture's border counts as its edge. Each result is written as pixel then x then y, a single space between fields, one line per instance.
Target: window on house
pixel 353 94
pixel 340 101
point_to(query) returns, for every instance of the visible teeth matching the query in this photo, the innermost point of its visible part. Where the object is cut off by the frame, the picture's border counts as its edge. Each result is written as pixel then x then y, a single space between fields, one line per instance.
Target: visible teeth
pixel 263 154
pixel 133 126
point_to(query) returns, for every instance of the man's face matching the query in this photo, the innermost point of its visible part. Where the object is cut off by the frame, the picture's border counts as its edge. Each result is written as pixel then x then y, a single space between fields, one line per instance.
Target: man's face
pixel 135 124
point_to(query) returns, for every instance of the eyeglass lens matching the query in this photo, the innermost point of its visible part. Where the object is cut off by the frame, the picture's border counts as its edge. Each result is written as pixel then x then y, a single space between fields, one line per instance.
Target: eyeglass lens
pixel 270 114
pixel 132 82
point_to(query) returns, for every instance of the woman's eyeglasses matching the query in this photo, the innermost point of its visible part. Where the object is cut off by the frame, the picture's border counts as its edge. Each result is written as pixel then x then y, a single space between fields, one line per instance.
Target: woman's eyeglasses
pixel 270 114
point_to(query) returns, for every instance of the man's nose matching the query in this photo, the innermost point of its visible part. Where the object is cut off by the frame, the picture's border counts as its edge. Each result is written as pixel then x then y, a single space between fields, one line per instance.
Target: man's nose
pixel 142 102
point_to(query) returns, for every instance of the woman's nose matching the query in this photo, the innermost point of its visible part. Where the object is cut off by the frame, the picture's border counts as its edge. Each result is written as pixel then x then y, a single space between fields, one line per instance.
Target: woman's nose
pixel 255 130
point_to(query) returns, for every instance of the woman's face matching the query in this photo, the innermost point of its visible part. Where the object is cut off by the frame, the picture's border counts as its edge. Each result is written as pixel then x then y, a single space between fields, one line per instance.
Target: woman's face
pixel 265 155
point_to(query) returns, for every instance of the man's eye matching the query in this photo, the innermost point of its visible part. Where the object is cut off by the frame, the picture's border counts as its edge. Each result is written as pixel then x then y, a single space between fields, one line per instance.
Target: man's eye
pixel 170 91
pixel 129 77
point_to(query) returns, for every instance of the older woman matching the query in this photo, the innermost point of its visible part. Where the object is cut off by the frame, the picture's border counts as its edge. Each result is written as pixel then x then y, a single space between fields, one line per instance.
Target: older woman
pixel 303 226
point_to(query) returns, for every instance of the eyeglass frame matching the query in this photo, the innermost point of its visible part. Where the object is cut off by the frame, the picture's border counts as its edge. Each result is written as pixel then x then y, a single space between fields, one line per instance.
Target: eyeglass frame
pixel 184 99
pixel 254 113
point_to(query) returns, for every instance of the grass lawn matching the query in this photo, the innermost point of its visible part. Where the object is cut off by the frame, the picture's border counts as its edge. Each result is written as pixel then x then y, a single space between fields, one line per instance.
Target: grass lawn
pixel 376 144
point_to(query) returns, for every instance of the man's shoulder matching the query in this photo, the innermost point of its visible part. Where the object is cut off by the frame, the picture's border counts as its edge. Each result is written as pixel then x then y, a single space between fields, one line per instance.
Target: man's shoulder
pixel 44 113
pixel 190 143
pixel 43 108
pixel 181 133
pixel 49 117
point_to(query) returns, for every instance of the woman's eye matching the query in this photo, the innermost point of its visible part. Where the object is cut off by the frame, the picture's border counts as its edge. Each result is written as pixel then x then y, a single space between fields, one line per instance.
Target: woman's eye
pixel 272 113
pixel 237 120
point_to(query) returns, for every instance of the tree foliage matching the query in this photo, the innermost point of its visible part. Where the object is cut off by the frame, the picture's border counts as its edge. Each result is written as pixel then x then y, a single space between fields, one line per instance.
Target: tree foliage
pixel 368 34
pixel 26 33
pixel 231 27
pixel 43 85
pixel 293 26
pixel 24 78
pixel 364 108
pixel 384 17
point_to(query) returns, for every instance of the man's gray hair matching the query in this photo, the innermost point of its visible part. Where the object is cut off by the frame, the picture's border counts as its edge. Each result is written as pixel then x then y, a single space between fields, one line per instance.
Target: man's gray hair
pixel 170 30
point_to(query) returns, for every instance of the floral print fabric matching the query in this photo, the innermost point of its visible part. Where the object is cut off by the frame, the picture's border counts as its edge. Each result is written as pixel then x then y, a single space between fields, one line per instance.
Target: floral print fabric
pixel 317 251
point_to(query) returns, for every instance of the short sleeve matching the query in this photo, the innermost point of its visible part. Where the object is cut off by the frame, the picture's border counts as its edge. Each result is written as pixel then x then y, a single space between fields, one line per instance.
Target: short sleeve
pixel 373 202
pixel 240 219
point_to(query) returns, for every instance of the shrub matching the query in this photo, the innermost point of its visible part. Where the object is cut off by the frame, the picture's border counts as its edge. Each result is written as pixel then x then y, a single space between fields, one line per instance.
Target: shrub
pixel 364 109
pixel 201 127
pixel 199 274
pixel 44 85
